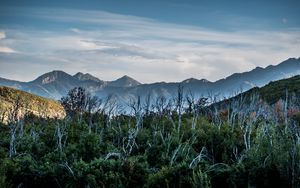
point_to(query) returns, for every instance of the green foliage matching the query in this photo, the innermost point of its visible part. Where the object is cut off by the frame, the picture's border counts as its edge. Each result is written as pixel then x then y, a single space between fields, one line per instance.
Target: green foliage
pixel 176 176
pixel 159 157
pixel 153 150
pixel 277 90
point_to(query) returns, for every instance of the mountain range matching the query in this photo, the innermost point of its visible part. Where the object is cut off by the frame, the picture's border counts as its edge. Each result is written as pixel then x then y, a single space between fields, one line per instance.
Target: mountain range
pixel 57 83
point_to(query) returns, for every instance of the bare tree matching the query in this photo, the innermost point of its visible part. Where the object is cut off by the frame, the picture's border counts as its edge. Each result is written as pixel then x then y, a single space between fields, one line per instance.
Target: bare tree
pixel 147 104
pixel 195 106
pixel 160 105
pixel 93 106
pixel 13 122
pixel 60 133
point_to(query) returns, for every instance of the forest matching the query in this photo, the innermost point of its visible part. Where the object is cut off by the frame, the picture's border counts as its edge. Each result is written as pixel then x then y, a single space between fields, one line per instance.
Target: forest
pixel 181 141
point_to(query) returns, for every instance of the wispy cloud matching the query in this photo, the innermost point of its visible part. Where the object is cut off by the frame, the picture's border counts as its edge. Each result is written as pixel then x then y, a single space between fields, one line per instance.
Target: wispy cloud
pixel 3 48
pixel 110 45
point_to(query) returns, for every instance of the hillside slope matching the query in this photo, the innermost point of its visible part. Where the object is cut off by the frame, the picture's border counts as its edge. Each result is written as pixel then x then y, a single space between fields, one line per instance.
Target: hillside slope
pixel 270 93
pixel 36 105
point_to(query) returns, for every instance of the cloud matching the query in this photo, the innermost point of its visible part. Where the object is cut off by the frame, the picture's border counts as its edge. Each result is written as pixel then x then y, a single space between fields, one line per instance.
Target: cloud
pixel 2 35
pixel 6 50
pixel 110 45
pixel 3 48
pixel 75 30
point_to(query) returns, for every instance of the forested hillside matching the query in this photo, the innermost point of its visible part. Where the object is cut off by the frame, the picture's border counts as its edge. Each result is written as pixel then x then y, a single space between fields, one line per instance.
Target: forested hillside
pixel 272 93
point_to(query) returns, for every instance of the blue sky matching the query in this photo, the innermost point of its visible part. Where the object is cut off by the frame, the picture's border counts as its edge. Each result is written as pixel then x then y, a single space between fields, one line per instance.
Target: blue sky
pixel 156 40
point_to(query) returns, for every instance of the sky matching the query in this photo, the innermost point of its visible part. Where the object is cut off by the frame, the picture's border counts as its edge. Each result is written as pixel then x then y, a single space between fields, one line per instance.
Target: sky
pixel 151 41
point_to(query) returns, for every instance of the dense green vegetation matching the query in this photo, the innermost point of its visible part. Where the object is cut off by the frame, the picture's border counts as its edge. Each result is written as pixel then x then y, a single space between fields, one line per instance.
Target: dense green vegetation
pixel 170 143
pixel 276 90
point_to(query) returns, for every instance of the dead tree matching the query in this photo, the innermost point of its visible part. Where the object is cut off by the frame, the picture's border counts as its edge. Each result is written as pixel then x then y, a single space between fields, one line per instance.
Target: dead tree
pixel 13 122
pixel 147 104
pixel 93 105
pixel 250 117
pixel 160 105
pixel 194 107
pixel 129 142
pixel 179 101
pixel 60 133
pixel 110 108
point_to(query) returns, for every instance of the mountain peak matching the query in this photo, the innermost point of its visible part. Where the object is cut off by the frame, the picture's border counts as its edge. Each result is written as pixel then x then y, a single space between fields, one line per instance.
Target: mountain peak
pixel 84 77
pixel 51 77
pixel 78 74
pixel 125 77
pixel 124 81
pixel 128 78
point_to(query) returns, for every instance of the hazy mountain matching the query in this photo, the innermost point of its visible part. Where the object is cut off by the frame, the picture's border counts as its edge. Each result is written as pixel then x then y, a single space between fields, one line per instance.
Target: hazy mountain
pixel 86 77
pixel 124 81
pixel 259 76
pixel 55 84
pixel 271 93
pixel 11 83
pixel 229 86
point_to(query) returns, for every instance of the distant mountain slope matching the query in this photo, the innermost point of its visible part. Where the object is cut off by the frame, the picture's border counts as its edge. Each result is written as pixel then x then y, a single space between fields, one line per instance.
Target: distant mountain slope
pixel 11 83
pixel 259 76
pixel 56 84
pixel 229 86
pixel 29 103
pixel 270 93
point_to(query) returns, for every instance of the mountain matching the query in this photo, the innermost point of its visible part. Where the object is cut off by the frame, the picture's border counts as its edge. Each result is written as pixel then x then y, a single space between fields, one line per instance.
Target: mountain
pixel 259 76
pixel 54 76
pixel 37 105
pixel 56 84
pixel 86 77
pixel 270 93
pixel 193 80
pixel 124 81
pixel 226 87
pixel 52 84
pixel 11 83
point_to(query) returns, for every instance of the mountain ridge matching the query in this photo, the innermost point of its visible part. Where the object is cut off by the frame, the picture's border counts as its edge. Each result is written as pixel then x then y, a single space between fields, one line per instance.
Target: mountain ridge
pixel 271 93
pixel 56 84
